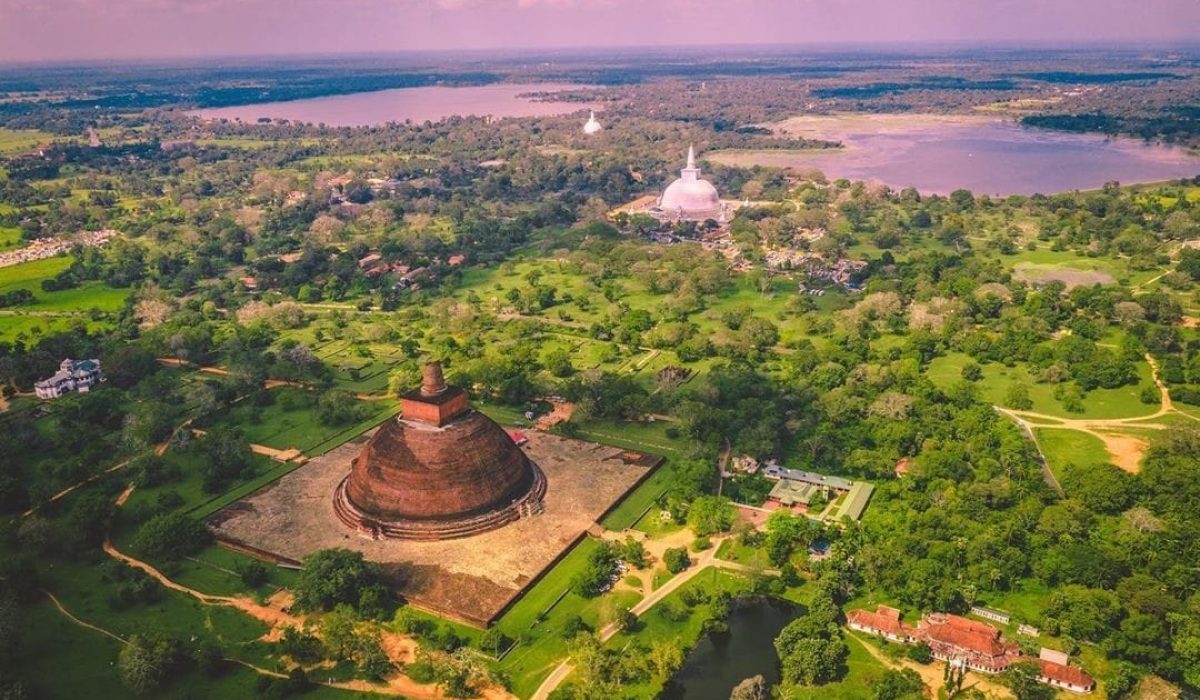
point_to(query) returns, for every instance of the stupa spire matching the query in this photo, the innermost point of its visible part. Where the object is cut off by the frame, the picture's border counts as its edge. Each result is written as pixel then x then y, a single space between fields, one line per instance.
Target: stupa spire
pixel 691 163
pixel 432 381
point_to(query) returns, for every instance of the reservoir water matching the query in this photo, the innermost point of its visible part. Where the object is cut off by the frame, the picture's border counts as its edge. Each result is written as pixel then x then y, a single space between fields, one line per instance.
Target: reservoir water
pixel 721 661
pixel 418 104
pixel 939 154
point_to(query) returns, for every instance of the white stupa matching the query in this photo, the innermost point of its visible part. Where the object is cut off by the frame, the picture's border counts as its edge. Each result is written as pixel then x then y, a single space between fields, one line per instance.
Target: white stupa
pixel 592 126
pixel 691 197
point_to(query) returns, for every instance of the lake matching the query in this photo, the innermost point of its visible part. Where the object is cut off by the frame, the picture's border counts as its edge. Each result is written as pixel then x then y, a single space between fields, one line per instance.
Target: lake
pixel 721 661
pixel 939 154
pixel 418 104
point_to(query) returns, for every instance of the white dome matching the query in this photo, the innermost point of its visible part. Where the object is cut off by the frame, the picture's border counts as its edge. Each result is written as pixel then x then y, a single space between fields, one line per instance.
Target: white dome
pixel 691 197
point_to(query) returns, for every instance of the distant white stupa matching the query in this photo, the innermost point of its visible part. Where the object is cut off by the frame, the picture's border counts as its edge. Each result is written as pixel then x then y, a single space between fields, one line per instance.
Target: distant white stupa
pixel 592 126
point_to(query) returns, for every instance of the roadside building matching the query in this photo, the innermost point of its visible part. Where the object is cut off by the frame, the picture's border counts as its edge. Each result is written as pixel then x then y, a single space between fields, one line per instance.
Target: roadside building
pixel 1056 670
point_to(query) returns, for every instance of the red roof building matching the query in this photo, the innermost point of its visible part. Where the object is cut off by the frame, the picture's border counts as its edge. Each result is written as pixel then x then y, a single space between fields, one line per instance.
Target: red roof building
pixel 884 622
pixel 1057 671
pixel 978 645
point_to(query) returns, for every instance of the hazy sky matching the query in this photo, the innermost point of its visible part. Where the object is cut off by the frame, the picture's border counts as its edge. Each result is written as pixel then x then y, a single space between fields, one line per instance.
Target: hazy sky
pixel 55 29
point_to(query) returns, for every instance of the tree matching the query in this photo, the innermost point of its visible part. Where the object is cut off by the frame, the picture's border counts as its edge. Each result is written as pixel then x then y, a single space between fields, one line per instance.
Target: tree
pixel 594 578
pixel 171 536
pixel 813 661
pixel 330 577
pixel 710 514
pixel 1018 397
pixel 145 663
pixel 339 407
pixel 905 684
pixel 1022 679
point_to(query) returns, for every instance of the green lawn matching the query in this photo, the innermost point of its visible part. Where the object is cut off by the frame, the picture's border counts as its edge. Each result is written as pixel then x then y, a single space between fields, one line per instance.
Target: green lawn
pixel 22 140
pixel 1122 402
pixel 9 237
pixel 635 504
pixel 734 551
pixel 1063 447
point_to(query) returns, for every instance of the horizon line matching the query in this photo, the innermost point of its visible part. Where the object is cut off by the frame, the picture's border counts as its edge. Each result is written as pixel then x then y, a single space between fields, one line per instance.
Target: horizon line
pixel 1054 45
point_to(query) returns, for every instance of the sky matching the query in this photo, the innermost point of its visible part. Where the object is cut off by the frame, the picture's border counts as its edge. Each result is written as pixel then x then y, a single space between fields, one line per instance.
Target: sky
pixel 47 30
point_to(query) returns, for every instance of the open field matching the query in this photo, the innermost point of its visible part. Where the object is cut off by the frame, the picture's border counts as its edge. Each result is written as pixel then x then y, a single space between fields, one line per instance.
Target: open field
pixel 14 141
pixel 1123 402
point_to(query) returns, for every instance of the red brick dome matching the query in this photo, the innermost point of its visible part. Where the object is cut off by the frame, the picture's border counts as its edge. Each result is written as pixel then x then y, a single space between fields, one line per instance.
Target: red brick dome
pixel 442 470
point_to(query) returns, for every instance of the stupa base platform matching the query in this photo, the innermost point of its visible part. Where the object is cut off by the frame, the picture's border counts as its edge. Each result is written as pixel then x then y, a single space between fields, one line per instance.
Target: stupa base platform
pixel 471 579
pixel 351 516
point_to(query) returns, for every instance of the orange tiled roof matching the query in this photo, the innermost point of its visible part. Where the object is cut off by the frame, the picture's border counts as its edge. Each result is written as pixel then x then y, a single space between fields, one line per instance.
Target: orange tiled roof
pixel 1072 675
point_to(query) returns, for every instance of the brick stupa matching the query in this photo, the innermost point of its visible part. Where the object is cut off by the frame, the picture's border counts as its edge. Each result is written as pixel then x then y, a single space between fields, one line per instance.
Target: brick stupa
pixel 438 471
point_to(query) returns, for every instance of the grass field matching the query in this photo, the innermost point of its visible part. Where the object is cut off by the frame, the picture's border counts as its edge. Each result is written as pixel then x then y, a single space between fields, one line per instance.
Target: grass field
pixel 22 140
pixel 1063 447
pixel 1122 402
pixel 634 505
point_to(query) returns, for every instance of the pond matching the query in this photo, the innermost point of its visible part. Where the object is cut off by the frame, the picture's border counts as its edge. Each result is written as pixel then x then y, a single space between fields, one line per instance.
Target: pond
pixel 987 155
pixel 721 661
pixel 418 104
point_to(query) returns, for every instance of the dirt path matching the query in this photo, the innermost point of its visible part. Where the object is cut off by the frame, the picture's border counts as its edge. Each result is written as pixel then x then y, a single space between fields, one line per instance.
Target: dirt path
pixel 560 412
pixel 66 613
pixel 931 675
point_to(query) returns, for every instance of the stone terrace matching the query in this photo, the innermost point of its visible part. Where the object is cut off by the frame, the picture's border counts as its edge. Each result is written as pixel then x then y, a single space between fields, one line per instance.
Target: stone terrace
pixel 471 579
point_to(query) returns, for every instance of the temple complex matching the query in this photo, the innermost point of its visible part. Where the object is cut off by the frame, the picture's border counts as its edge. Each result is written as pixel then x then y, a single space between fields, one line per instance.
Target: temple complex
pixel 439 470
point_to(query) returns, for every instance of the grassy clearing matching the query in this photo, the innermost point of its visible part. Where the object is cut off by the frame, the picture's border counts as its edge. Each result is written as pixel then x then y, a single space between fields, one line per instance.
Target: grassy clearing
pixel 1122 402
pixel 636 504
pixel 1063 447
pixel 22 140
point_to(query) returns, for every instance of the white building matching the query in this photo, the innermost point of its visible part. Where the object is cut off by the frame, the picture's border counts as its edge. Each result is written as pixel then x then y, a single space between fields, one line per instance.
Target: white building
pixel 592 126
pixel 72 375
pixel 691 197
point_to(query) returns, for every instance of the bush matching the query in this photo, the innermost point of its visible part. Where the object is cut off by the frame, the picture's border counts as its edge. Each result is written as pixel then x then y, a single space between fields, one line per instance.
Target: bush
pixel 253 573
pixel 700 544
